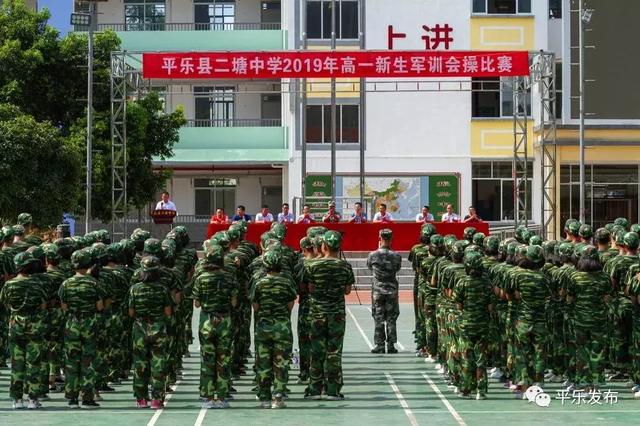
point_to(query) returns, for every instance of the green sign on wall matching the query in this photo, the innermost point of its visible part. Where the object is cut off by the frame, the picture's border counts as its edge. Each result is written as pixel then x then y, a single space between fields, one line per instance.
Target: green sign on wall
pixel 442 191
pixel 318 186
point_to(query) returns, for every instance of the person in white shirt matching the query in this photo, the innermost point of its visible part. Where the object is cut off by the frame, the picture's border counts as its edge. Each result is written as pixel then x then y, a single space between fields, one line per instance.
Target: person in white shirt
pixel 425 216
pixel 286 216
pixel 306 216
pixel 264 216
pixel 383 215
pixel 450 216
pixel 165 203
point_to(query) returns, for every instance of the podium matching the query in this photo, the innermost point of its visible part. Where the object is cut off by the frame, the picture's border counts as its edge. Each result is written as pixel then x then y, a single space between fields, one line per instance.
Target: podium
pixel 163 217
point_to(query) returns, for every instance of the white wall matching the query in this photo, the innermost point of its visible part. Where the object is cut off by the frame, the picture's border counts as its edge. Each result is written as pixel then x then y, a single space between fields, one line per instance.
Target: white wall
pixel 111 12
pixel 182 195
pixel 247 11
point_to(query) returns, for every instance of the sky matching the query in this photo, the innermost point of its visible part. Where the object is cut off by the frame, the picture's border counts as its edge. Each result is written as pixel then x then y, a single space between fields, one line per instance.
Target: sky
pixel 60 13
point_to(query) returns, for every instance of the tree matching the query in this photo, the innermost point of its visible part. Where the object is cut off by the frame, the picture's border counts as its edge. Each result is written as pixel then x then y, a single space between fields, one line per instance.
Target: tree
pixel 38 170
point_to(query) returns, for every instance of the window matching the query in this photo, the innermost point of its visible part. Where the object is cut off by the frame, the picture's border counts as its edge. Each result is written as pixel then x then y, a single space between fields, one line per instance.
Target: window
pixel 215 15
pixel 319 123
pixel 499 7
pixel 319 19
pixel 558 104
pixel 144 15
pixel 211 194
pixel 494 98
pixel 555 9
pixel 214 106
pixel 492 185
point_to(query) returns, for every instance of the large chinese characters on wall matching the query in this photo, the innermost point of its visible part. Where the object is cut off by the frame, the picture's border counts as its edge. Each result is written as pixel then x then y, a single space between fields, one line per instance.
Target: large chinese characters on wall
pixel 306 64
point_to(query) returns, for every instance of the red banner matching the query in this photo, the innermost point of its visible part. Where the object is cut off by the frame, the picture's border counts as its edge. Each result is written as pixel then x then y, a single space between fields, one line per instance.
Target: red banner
pixel 369 64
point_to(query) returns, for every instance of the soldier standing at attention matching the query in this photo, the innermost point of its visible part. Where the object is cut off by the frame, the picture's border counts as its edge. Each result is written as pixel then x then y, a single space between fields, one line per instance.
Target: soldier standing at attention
pixel 330 279
pixel 150 307
pixel 26 300
pixel 308 254
pixel 385 264
pixel 81 299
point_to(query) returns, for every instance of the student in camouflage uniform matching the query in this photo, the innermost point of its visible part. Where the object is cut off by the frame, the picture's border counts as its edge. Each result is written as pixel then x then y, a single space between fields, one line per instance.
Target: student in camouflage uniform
pixel 26 220
pixel 589 292
pixel 81 301
pixel 633 291
pixel 329 279
pixel 304 342
pixel 416 254
pixel 272 299
pixel 26 301
pixel 428 294
pixel 216 294
pixel 385 264
pixel 8 250
pixel 473 296
pixel 150 307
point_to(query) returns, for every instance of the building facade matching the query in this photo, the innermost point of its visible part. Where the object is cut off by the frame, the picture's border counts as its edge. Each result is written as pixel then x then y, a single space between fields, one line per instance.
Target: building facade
pixel 244 139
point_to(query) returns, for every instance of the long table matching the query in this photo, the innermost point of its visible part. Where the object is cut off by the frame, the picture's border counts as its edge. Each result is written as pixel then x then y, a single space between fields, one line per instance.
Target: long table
pixel 358 237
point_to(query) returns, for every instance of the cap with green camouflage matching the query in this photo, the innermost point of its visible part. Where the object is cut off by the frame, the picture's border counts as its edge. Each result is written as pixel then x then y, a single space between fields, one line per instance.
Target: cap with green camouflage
pixel 102 236
pixel 214 255
pixel 449 241
pixel 574 227
pixel 635 228
pixel 478 239
pixel 234 233
pixel 128 246
pixel 51 251
pixel 428 229
pixel 23 259
pixel 473 248
pixel 98 251
pixel 549 248
pixel 618 237
pixel 306 243
pixel 314 231
pixel 602 235
pixel 459 246
pixel 492 244
pixel 609 227
pixel 149 264
pixel 585 231
pixel 522 234
pixel 90 238
pixel 140 235
pixel 81 259
pixel 168 248
pixel 333 240
pixel 317 241
pixel 279 231
pixel 79 242
pixel 153 247
pixel 631 240
pixel 512 248
pixel 578 249
pixel 265 238
pixel 115 252
pixel 565 249
pixel 18 230
pixel 469 232
pixel 37 252
pixel 570 224
pixel 221 238
pixel 386 234
pixel 7 232
pixel 621 221
pixel 272 260
pixel 534 254
pixel 473 260
pixel 535 240
pixel 25 219
pixel 590 253
pixel 437 241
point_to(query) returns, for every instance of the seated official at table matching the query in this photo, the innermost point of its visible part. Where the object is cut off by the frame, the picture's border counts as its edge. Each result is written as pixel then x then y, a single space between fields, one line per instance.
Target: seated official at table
pixel 358 216
pixel 472 217
pixel 332 216
pixel 425 216
pixel 241 215
pixel 306 216
pixel 264 216
pixel 165 203
pixel 382 215
pixel 219 218
pixel 285 216
pixel 450 216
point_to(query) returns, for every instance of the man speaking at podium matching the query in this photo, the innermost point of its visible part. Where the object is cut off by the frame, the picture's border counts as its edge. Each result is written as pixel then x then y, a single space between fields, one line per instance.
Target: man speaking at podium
pixel 165 203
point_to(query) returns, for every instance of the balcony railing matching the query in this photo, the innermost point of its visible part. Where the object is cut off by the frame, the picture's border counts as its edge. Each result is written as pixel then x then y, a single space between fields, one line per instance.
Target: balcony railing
pixel 236 122
pixel 190 26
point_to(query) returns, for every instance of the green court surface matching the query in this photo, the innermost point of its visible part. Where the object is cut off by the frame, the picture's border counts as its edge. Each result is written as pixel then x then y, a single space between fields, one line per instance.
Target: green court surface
pixel 380 390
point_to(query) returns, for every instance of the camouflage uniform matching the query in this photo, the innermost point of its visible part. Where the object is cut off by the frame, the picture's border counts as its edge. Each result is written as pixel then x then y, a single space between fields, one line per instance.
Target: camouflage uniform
pixel 304 323
pixel 385 264
pixel 148 301
pixel 273 334
pixel 428 293
pixel 23 298
pixel 215 292
pixel 328 280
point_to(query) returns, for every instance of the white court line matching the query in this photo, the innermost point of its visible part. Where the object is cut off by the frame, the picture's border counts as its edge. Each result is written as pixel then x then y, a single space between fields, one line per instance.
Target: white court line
pixel 400 345
pixel 405 406
pixel 444 400
pixel 364 336
pixel 156 415
pixel 200 419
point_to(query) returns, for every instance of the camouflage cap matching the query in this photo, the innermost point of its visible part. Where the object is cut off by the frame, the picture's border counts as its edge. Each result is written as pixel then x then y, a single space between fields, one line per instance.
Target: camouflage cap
pixel 473 248
pixel 618 237
pixel 115 252
pixel 549 248
pixel 590 253
pixel 79 242
pixel 306 243
pixel 25 219
pixel 621 221
pixel 565 249
pixel 631 240
pixel 602 234
pixel 578 248
pixel 234 233
pixel 459 246
pixel 140 235
pixel 90 238
pixel 469 232
pixel 609 227
pixel 585 231
pixel 18 230
pixel 568 224
pixel 221 238
pixel 449 241
pixel 214 255
pixel 574 227
pixel 492 244
pixel 473 260
pixel 51 251
pixel 332 239
pixel 128 246
pixel 153 247
pixel 279 231
pixel 23 259
pixel 102 236
pixel 386 234
pixel 428 229
pixel 478 239
pixel 168 248
pixel 37 252
pixel 635 228
pixel 81 259
pixel 314 231
pixel 534 254
pixel 98 251
pixel 535 240
pixel 521 250
pixel 511 248
pixel 272 260
pixel 437 240
pixel 149 264
pixel 7 232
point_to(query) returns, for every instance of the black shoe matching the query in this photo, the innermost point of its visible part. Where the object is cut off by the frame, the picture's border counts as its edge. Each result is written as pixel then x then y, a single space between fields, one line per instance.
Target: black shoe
pixel 73 403
pixel 378 350
pixel 89 405
pixel 391 349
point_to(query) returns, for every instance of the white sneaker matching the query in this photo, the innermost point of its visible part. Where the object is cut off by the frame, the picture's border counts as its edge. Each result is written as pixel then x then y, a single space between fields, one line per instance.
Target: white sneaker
pixel 496 373
pixel 636 395
pixel 18 404
pixel 278 403
pixel 438 366
pixel 207 405
pixel 265 404
pixel 34 404
pixel 513 386
pixel 491 370
pixel 441 370
pixel 429 359
pixel 481 396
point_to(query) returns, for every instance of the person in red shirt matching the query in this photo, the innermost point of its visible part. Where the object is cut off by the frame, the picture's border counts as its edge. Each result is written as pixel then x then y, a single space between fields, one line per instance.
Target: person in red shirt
pixel 219 218
pixel 332 216
pixel 306 216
